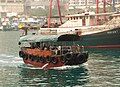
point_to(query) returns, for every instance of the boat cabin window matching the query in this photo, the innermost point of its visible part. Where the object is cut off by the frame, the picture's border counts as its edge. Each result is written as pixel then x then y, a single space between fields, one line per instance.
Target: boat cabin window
pixel 57 48
pixel 32 45
pixel 80 17
pixel 74 18
pixel 68 18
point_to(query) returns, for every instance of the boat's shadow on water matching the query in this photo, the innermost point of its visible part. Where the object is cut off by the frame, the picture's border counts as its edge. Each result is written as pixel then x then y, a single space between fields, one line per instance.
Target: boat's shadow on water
pixel 72 76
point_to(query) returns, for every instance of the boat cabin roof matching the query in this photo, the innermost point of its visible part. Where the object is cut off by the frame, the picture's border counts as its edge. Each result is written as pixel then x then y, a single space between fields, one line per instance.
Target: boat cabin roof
pixel 49 38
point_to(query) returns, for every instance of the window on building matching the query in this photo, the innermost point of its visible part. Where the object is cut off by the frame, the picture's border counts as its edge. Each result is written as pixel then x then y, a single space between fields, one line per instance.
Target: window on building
pixel 82 3
pixel 18 0
pixel 3 1
pixel 76 17
pixel 10 1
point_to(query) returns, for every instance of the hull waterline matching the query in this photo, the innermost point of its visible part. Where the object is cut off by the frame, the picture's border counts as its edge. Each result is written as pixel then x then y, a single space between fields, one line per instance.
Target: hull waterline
pixel 106 39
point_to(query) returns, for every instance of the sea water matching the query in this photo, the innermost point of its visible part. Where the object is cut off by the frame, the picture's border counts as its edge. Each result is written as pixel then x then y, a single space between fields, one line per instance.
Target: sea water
pixel 101 70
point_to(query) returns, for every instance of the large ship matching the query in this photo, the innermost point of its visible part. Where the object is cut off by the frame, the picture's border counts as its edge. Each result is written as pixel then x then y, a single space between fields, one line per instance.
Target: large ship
pixel 95 30
pixel 106 35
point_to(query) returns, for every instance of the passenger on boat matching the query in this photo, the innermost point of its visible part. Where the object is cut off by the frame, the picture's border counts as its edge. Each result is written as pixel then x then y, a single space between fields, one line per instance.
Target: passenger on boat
pixel 66 49
pixel 59 50
pixel 81 48
pixel 75 49
pixel 38 44
pixel 32 45
pixel 43 46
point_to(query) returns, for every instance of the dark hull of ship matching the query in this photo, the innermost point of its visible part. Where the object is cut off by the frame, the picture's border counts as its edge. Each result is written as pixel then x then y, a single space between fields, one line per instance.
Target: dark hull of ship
pixel 105 39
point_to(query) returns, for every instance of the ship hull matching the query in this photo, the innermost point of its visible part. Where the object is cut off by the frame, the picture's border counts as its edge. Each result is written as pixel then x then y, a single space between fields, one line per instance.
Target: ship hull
pixel 105 39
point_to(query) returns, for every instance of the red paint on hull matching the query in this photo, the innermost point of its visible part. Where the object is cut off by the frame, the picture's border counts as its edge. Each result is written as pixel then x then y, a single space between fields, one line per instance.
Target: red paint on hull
pixel 41 65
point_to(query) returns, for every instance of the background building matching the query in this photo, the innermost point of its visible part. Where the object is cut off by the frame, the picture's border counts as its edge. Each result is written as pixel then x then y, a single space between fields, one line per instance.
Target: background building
pixel 41 7
pixel 11 7
pixel 92 3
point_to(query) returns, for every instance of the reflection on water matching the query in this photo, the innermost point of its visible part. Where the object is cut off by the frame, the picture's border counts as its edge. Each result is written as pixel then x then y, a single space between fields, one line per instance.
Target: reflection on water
pixel 101 70
pixel 54 78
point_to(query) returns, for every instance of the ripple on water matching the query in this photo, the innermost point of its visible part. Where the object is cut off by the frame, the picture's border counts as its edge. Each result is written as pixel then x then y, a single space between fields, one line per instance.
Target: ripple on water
pixel 10 60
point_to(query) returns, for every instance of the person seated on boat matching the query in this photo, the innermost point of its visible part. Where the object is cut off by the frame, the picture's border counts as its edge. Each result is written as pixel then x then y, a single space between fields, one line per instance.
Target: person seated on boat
pixel 48 46
pixel 45 46
pixel 65 49
pixel 37 44
pixel 58 50
pixel 53 47
pixel 32 45
pixel 74 49
pixel 81 48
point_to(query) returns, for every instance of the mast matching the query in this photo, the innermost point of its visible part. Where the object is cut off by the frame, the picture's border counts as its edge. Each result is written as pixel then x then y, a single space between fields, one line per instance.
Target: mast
pixel 59 12
pixel 86 5
pixel 104 8
pixel 50 13
pixel 114 9
pixel 97 9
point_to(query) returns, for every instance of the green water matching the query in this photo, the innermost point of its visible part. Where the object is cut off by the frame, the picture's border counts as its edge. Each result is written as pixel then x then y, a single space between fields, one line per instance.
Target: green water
pixel 101 70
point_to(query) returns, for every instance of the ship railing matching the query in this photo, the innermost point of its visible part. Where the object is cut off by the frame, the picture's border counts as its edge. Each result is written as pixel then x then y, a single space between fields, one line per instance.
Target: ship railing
pixel 48 32
pixel 56 30
pixel 72 49
pixel 94 29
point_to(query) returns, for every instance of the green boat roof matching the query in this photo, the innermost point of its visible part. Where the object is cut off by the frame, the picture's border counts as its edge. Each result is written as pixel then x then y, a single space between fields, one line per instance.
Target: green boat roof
pixel 49 38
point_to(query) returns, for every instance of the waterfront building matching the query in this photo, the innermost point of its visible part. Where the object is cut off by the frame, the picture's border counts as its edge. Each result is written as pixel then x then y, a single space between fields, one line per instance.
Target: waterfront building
pixel 34 4
pixel 82 4
pixel 11 6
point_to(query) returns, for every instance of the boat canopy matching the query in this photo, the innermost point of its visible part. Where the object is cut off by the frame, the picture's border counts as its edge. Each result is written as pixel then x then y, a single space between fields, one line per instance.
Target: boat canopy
pixel 49 38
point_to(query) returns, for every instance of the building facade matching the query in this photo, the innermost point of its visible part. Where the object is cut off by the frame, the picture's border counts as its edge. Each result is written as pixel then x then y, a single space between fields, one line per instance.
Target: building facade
pixel 92 3
pixel 11 6
pixel 42 3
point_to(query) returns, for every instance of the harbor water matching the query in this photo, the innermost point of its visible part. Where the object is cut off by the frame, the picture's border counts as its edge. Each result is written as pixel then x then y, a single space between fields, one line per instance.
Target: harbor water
pixel 101 70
